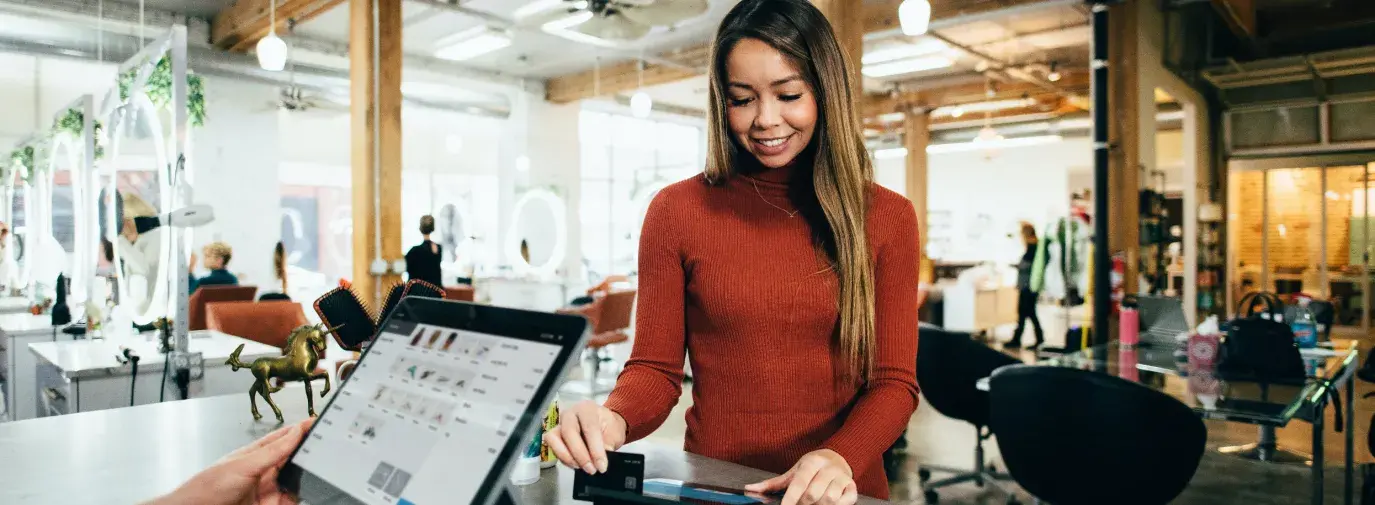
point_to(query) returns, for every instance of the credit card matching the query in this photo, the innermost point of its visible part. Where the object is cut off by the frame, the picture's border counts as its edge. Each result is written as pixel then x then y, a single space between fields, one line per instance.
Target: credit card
pixel 624 472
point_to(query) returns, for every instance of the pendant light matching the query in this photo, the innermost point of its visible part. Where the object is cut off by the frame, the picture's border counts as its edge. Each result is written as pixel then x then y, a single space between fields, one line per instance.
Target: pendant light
pixel 272 49
pixel 640 103
pixel 915 16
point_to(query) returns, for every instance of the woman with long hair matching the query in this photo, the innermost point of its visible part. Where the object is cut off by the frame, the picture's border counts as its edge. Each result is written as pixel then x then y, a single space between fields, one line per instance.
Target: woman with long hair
pixel 1027 294
pixel 783 271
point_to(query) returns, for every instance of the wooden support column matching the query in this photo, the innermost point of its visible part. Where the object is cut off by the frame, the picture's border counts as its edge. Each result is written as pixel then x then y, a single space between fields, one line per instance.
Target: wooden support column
pixel 1124 168
pixel 847 20
pixel 375 106
pixel 915 137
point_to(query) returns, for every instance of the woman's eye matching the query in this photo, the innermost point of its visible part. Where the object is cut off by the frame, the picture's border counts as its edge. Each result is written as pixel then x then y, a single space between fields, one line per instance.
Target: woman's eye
pixel 736 102
pixel 789 98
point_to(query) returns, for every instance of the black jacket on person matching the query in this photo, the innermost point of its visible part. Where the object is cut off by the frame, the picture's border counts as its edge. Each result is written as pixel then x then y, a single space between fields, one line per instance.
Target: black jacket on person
pixel 422 263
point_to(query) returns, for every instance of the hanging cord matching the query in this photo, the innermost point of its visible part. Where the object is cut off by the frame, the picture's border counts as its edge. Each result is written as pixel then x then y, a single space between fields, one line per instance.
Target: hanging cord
pixel 100 31
pixel 141 40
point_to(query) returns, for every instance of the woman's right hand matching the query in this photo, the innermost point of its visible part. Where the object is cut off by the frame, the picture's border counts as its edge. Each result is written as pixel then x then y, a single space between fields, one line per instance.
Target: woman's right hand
pixel 585 432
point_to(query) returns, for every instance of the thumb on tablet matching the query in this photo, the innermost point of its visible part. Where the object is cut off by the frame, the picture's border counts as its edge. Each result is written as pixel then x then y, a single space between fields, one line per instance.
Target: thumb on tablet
pixel 272 454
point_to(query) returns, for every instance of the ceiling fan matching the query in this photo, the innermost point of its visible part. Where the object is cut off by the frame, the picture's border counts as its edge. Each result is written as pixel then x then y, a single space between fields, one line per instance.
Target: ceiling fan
pixel 612 20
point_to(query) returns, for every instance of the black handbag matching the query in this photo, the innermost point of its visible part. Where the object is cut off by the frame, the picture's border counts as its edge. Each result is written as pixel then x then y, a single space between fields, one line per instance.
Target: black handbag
pixel 1259 348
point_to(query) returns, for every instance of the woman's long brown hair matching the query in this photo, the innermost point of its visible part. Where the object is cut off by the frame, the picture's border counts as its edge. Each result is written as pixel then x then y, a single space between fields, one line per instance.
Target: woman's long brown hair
pixel 279 263
pixel 832 191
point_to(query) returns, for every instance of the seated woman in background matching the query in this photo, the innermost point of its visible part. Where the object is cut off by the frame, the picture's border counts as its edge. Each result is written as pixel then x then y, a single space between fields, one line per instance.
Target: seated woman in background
pixel 217 255
pixel 278 271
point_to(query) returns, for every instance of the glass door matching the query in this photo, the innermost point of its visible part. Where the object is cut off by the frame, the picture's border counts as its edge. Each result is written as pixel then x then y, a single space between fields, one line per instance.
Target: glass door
pixel 1348 200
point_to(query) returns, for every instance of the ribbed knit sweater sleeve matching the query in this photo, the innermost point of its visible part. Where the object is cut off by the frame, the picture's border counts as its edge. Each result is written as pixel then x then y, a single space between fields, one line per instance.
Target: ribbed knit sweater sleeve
pixel 886 404
pixel 651 382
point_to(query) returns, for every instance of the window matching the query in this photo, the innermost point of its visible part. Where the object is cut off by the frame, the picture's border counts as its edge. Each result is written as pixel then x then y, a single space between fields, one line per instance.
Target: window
pixel 625 162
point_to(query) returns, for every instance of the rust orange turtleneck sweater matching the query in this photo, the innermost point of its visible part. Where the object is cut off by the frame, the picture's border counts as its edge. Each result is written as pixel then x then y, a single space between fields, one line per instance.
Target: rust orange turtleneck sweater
pixel 727 277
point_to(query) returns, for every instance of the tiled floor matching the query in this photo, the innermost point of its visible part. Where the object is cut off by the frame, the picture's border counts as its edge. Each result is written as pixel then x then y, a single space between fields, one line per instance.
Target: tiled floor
pixel 1221 479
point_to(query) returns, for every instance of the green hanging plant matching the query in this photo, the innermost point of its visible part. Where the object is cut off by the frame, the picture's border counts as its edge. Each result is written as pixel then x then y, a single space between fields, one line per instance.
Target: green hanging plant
pixel 72 122
pixel 23 158
pixel 159 89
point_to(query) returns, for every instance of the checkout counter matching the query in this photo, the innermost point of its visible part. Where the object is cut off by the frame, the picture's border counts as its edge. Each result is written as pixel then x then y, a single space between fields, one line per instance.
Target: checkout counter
pixel 134 454
pixel 18 365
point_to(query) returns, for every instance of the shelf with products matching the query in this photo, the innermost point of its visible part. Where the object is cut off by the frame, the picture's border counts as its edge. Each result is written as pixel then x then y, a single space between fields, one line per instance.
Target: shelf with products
pixel 1212 267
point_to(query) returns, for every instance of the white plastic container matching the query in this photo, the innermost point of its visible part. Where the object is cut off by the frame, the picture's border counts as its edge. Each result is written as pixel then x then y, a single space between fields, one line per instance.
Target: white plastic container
pixel 525 471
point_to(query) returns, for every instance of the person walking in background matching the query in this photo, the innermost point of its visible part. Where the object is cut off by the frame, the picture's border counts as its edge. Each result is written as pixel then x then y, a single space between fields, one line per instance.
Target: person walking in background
pixel 217 255
pixel 1026 296
pixel 422 261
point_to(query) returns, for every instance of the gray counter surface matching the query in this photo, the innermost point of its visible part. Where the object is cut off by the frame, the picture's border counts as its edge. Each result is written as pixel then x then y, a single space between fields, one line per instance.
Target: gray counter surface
pixel 97 358
pixel 124 456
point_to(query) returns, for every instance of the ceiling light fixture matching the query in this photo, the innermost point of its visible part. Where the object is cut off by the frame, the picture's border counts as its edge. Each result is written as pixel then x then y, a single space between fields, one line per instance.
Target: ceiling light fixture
pixel 954 147
pixel 884 54
pixel 471 43
pixel 1053 75
pixel 907 66
pixel 272 50
pixel 915 17
pixel 539 6
pixel 640 103
pixel 989 106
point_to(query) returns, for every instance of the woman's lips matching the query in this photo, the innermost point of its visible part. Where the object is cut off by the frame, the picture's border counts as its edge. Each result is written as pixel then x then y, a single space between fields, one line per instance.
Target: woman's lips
pixel 771 147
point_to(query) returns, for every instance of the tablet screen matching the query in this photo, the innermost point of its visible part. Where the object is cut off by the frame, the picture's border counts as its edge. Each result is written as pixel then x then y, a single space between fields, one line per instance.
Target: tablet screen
pixel 424 418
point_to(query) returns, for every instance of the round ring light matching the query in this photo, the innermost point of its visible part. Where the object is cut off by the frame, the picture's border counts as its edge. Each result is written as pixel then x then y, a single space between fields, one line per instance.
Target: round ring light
pixel 556 208
pixel 20 275
pixel 140 110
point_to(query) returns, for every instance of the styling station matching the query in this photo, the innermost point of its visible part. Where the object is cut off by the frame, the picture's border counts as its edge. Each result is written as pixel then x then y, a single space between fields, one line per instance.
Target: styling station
pixel 112 331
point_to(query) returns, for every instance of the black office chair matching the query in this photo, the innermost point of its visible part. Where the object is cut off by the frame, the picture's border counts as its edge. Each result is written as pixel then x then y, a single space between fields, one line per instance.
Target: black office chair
pixel 949 367
pixel 1076 437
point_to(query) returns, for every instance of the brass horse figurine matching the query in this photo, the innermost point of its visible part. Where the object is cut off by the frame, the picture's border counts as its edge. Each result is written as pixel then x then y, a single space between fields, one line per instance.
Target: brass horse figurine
pixel 302 353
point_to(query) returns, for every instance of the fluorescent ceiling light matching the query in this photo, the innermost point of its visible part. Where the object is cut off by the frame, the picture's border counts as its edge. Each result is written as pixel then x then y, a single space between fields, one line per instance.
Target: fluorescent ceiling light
pixel 907 66
pixel 899 152
pixel 539 6
pixel 471 43
pixel 989 106
pixel 889 53
pixel 568 22
pixel 993 144
pixel 891 117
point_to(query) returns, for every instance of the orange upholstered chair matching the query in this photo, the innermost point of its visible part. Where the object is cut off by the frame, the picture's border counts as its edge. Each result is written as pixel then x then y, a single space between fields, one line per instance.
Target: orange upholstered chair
pixel 609 316
pixel 460 293
pixel 211 294
pixel 264 322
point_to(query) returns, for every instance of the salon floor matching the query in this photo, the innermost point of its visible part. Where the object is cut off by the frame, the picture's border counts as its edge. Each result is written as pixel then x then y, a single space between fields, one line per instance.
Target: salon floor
pixel 938 440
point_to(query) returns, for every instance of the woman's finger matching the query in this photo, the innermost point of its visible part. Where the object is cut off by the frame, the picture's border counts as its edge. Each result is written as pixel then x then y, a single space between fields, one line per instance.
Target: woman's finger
pixel 802 479
pixel 272 454
pixel 816 490
pixel 555 440
pixel 835 491
pixel 266 439
pixel 572 437
pixel 777 483
pixel 596 448
pixel 850 496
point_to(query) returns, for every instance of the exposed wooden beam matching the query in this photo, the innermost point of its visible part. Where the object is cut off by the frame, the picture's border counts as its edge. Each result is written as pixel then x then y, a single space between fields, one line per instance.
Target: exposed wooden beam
pixel 1073 81
pixel 1240 16
pixel 624 77
pixel 240 25
pixel 375 121
pixel 877 16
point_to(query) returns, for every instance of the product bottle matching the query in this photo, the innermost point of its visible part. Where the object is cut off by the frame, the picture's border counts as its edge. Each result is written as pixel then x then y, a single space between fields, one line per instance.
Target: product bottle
pixel 1305 326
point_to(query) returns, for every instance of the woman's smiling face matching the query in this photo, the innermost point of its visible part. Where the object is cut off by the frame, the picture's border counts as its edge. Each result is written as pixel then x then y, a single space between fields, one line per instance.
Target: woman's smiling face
pixel 771 109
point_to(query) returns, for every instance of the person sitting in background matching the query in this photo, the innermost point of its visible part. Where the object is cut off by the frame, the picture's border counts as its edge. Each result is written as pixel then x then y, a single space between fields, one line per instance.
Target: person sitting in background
pixel 422 261
pixel 278 271
pixel 217 255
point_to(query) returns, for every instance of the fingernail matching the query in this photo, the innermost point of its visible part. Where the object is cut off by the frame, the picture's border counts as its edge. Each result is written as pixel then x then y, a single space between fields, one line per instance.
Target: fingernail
pixel 601 465
pixel 589 468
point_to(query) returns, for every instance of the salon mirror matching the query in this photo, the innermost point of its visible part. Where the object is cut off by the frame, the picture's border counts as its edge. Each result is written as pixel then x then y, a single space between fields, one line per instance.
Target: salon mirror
pixel 136 173
pixel 449 229
pixel 64 165
pixel 537 240
pixel 16 261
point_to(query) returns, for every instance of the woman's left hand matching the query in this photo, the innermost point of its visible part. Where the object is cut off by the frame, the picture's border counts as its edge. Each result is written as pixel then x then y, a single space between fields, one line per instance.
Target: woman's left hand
pixel 820 477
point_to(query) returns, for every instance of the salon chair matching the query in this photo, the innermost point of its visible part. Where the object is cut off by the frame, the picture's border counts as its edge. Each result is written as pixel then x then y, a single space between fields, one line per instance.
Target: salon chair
pixel 1080 437
pixel 609 316
pixel 267 323
pixel 460 293
pixel 204 295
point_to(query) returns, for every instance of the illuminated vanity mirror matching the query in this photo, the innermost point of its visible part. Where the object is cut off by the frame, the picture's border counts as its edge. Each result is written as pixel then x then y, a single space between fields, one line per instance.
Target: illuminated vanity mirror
pixel 136 173
pixel 538 238
pixel 17 264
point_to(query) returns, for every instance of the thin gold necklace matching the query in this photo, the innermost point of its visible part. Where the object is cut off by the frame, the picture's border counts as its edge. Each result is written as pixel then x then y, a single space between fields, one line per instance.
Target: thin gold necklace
pixel 771 204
